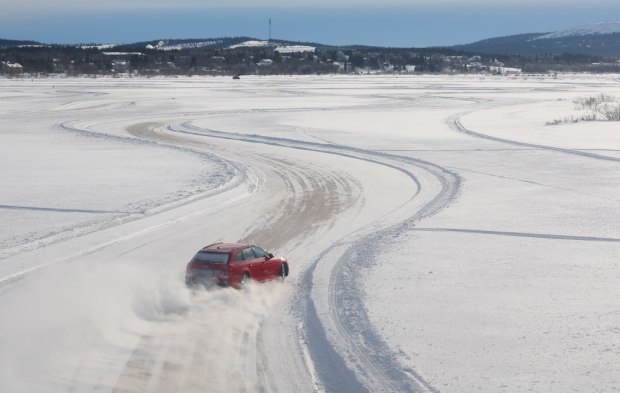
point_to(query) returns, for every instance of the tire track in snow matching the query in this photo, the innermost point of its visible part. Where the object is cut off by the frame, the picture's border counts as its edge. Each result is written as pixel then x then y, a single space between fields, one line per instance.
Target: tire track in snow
pixel 521 234
pixel 233 176
pixel 564 189
pixel 311 194
pixel 370 365
pixel 318 194
pixel 350 314
pixel 455 124
pixel 62 210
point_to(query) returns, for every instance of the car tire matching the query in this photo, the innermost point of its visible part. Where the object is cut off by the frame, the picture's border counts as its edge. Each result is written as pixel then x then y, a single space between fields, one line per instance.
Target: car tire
pixel 245 279
pixel 283 271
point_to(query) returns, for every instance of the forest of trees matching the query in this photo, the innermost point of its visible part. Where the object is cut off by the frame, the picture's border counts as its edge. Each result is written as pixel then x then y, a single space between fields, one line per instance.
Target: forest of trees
pixel 142 60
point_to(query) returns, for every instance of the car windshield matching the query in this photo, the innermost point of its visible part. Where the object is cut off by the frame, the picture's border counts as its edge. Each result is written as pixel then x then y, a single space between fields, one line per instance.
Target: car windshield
pixel 211 257
pixel 260 253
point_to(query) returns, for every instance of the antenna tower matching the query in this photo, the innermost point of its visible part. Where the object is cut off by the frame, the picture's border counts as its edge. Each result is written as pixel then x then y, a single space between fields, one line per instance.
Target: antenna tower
pixel 269 29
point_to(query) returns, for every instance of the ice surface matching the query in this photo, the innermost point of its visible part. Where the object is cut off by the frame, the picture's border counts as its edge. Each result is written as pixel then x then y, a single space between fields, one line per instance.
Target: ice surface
pixel 441 236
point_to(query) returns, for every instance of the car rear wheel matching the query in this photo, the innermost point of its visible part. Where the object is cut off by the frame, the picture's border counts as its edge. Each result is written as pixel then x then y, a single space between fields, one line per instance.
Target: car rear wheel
pixel 245 278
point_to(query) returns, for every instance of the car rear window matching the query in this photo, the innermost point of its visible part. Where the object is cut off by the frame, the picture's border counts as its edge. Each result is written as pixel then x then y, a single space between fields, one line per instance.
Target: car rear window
pixel 211 257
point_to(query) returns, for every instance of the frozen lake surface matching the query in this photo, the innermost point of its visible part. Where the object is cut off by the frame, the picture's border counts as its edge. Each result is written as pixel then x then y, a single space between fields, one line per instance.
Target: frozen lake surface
pixel 441 236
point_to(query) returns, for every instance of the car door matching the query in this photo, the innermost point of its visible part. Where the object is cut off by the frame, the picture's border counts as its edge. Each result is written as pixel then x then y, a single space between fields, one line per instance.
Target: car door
pixel 238 268
pixel 270 267
pixel 254 264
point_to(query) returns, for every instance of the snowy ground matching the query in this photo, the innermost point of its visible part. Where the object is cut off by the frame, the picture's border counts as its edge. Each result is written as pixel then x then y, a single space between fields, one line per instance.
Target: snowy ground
pixel 442 237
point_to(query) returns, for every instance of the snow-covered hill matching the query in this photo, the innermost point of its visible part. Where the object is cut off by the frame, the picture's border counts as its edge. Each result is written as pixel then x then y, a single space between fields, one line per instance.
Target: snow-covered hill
pixel 15 43
pixel 596 39
pixel 163 45
pixel 600 28
pixel 228 43
pixel 279 46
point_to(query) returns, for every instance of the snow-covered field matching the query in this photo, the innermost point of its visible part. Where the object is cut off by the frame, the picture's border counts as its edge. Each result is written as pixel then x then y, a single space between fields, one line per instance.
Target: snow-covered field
pixel 441 236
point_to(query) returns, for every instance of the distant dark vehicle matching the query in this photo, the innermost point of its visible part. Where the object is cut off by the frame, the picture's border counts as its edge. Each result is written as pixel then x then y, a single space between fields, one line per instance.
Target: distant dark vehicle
pixel 234 264
pixel 237 76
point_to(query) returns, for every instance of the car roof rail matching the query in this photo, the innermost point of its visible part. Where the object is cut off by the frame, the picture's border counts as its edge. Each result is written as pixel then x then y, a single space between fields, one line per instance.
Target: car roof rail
pixel 211 245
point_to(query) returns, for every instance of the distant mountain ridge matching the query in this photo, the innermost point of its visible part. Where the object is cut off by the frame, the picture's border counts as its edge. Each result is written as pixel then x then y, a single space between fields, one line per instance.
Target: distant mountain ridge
pixel 600 28
pixel 14 43
pixel 595 39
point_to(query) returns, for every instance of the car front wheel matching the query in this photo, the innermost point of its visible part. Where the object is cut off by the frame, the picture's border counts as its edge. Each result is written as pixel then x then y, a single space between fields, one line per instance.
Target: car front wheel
pixel 283 271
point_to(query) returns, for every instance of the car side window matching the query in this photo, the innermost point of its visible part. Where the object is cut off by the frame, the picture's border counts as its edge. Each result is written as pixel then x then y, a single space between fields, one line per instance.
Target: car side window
pixel 248 253
pixel 239 256
pixel 260 253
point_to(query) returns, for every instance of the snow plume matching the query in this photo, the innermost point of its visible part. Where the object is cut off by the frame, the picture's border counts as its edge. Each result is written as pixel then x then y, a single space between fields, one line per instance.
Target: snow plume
pixel 99 329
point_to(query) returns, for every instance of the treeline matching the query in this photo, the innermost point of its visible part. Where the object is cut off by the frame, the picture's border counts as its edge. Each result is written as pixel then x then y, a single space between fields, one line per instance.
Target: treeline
pixel 73 61
pixel 140 60
pixel 69 60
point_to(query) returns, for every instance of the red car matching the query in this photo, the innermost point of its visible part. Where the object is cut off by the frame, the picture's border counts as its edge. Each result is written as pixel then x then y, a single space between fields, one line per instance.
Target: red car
pixel 233 264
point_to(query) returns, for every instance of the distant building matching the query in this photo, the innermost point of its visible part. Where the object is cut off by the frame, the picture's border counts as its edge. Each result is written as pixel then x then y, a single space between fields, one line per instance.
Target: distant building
pixel 476 66
pixel 123 54
pixel 159 45
pixel 505 70
pixel 340 66
pixel 120 66
pixel 11 68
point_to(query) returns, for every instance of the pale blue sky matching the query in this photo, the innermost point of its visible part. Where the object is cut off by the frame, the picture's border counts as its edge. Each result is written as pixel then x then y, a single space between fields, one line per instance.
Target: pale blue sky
pixel 389 23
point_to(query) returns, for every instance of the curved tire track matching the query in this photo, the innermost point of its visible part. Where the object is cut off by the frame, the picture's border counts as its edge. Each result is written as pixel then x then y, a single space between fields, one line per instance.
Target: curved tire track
pixel 367 353
pixel 455 124
pixel 310 194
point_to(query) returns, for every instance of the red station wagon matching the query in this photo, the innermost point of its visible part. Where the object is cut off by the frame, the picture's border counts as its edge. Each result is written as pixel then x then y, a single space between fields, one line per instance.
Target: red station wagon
pixel 233 264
